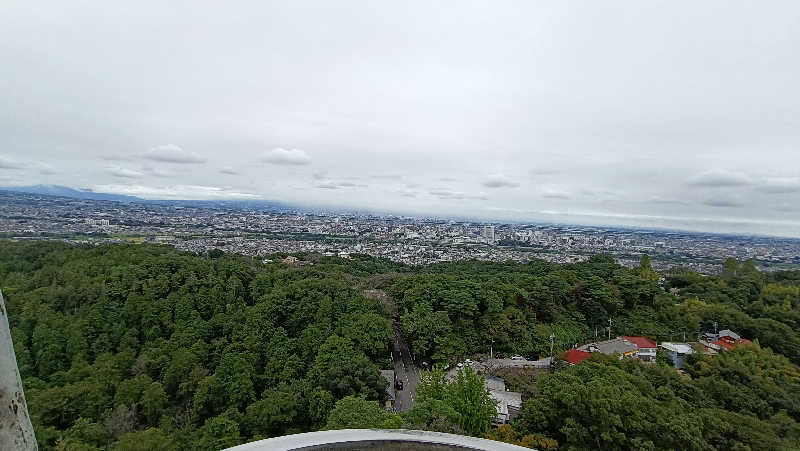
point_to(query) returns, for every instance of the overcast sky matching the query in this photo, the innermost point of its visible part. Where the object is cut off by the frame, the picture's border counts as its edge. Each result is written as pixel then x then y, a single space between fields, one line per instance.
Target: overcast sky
pixel 680 114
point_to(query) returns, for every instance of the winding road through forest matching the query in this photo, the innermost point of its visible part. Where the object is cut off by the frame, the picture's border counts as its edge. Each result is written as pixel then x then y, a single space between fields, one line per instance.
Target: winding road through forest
pixel 404 367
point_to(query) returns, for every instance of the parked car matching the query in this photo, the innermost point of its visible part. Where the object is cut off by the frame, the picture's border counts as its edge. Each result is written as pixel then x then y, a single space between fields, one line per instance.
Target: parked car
pixel 517 357
pixel 398 384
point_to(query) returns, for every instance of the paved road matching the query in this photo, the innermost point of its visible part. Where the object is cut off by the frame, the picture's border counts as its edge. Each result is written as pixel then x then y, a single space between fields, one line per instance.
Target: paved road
pixel 406 371
pixel 404 367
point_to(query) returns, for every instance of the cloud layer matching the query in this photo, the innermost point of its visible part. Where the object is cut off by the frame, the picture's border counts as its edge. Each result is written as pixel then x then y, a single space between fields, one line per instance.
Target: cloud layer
pixel 291 157
pixel 417 120
pixel 170 153
pixel 719 178
pixel 499 181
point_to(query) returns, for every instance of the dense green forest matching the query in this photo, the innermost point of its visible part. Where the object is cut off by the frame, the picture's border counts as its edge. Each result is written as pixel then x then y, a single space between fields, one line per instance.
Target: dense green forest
pixel 209 351
pixel 145 347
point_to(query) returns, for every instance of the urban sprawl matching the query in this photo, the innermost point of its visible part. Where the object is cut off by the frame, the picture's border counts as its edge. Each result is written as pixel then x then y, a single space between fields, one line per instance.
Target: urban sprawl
pixel 264 230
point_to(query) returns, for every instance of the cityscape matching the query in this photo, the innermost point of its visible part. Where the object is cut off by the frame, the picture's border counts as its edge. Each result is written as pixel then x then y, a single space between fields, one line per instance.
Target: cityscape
pixel 261 230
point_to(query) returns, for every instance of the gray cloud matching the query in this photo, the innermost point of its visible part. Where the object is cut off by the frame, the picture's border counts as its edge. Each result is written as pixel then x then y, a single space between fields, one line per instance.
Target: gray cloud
pixel 329 184
pixel 445 194
pixel 115 158
pixel 538 172
pixel 118 171
pixel 170 153
pixel 780 185
pixel 555 193
pixel 10 163
pixel 280 156
pixel 157 171
pixel 723 202
pixel 178 191
pixel 439 114
pixel 45 169
pixel 499 181
pixel 668 200
pixel 719 178
pixel 14 164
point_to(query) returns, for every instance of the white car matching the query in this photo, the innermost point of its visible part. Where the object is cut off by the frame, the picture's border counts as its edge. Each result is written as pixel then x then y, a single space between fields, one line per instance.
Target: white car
pixel 517 357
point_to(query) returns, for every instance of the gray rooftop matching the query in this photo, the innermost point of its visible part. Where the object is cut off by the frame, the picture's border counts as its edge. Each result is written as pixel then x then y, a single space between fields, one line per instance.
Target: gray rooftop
pixel 729 333
pixel 614 346
pixel 494 383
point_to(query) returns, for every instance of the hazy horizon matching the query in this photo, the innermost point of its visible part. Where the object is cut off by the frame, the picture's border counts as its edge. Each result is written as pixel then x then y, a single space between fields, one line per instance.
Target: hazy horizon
pixel 672 115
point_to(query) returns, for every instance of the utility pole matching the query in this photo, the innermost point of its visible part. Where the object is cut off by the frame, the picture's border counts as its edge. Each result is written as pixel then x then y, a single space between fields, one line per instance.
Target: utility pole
pixel 552 341
pixel 491 354
pixel 715 328
pixel 609 328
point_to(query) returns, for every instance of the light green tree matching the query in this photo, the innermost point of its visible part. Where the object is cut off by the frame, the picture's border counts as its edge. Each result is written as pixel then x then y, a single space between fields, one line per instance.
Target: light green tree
pixel 355 412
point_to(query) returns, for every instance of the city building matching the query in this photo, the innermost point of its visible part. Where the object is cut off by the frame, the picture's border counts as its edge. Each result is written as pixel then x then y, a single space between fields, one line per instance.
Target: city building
pixel 488 233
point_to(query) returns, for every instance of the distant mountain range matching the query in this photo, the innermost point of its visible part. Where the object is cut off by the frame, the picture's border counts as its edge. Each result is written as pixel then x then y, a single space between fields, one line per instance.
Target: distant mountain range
pixel 64 191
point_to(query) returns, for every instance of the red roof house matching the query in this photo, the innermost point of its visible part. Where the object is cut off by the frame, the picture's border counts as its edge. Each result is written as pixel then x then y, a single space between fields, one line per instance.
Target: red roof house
pixel 647 348
pixel 575 356
pixel 641 342
pixel 728 344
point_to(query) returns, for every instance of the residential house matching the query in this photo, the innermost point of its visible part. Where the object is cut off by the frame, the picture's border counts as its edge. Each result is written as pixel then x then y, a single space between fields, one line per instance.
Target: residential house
pixel 646 347
pixel 575 356
pixel 729 336
pixel 616 346
pixel 725 340
pixel 677 352
pixel 730 344
pixel 710 348
pixel 509 403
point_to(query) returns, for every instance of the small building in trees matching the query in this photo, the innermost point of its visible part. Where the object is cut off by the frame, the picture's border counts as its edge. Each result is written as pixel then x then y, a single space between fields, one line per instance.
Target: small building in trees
pixel 677 352
pixel 508 403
